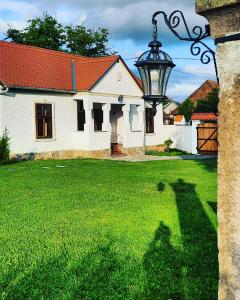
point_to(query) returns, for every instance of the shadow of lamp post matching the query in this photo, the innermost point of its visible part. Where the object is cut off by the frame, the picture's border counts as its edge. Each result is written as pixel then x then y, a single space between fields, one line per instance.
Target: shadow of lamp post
pixel 155 65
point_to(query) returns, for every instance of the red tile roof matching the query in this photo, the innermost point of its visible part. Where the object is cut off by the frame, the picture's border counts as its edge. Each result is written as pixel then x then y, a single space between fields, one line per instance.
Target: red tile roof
pixel 88 72
pixel 202 92
pixel 204 116
pixel 38 68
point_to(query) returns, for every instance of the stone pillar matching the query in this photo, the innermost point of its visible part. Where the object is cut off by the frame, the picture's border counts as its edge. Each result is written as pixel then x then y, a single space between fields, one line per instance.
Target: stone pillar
pixel 195 123
pixel 106 126
pixel 141 120
pixel 126 120
pixel 224 19
pixel 89 122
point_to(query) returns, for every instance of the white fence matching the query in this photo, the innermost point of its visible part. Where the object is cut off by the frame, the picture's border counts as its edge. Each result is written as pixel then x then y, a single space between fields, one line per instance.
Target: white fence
pixel 184 137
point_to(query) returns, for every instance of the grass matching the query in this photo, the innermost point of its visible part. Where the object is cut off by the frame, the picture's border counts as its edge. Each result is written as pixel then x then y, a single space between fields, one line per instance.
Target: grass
pixel 93 229
pixel 172 152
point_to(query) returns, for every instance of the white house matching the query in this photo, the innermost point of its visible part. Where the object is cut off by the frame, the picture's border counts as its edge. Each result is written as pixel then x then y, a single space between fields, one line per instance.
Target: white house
pixel 60 105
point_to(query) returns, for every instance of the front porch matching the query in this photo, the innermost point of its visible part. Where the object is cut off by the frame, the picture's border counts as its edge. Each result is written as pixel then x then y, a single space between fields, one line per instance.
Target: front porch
pixel 111 125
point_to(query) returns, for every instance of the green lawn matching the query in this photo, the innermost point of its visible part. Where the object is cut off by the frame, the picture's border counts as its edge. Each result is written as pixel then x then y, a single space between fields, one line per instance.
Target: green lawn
pixel 108 230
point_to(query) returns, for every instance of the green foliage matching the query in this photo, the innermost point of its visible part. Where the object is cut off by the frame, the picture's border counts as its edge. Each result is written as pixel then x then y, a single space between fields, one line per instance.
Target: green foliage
pixel 171 152
pixel 168 144
pixel 47 32
pixel 108 230
pixel 4 147
pixel 186 109
pixel 87 42
pixel 208 105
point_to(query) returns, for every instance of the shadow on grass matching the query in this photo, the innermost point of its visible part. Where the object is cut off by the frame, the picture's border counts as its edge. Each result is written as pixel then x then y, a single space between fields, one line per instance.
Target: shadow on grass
pixel 199 240
pixel 163 268
pixel 209 164
pixel 213 206
pixel 190 273
pixel 100 274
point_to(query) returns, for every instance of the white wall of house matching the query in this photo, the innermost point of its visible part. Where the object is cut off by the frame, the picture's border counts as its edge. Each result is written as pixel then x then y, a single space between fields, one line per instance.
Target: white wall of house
pixel 17 114
pixel 117 81
pixel 156 138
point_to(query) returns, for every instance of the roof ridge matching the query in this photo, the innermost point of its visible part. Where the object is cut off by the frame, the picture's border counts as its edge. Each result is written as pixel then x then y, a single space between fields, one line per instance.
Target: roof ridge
pixel 98 59
pixel 57 52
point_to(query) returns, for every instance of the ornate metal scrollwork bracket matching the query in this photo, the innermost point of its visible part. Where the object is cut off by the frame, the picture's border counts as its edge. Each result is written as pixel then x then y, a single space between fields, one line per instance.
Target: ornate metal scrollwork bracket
pixel 196 36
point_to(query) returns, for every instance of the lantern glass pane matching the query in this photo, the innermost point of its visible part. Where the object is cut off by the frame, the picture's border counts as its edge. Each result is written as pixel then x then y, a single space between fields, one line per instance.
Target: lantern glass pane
pixel 154 75
pixel 148 80
pixel 144 80
pixel 165 81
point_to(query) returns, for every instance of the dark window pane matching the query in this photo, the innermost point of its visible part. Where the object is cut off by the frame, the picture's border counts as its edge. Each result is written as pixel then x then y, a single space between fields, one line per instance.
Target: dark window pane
pixel 80 115
pixel 48 127
pixel 43 121
pixel 149 120
pixel 39 128
pixel 98 119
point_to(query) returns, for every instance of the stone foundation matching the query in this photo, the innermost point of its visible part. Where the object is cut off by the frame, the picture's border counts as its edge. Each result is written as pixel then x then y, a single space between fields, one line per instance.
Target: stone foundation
pixel 134 151
pixel 74 154
pixel 63 154
pixel 158 148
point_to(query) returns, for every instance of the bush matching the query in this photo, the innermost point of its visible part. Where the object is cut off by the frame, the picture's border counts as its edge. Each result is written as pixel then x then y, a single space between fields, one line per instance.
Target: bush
pixel 4 147
pixel 168 144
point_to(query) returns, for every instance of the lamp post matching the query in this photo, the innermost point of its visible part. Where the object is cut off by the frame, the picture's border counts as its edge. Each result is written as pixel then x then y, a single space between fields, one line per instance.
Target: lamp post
pixel 156 65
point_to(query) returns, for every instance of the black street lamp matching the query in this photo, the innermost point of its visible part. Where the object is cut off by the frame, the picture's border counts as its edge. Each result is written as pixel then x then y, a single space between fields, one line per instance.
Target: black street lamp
pixel 155 65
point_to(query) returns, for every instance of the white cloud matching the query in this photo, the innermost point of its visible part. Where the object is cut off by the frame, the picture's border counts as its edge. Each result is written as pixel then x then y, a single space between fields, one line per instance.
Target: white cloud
pixel 124 18
pixel 200 70
pixel 182 90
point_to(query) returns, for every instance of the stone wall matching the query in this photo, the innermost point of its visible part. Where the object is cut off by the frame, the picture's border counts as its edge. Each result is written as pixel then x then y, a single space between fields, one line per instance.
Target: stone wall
pixel 224 19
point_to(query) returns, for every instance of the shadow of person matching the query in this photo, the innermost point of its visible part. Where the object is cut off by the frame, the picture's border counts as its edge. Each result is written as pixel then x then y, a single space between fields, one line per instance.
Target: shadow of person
pixel 162 267
pixel 199 240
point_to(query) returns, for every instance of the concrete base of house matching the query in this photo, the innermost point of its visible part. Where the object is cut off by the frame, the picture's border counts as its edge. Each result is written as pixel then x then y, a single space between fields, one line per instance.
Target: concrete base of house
pixel 74 154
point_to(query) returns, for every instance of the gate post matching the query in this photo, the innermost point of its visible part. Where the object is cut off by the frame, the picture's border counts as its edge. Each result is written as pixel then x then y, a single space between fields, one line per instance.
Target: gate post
pixel 224 19
pixel 194 136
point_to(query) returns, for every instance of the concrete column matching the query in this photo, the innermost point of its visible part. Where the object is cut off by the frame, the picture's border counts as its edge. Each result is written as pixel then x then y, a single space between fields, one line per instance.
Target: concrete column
pixel 126 120
pixel 141 121
pixel 106 126
pixel 224 19
pixel 89 122
pixel 158 120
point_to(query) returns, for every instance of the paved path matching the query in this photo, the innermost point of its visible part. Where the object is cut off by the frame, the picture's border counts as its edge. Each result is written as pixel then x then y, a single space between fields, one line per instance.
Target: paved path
pixel 152 157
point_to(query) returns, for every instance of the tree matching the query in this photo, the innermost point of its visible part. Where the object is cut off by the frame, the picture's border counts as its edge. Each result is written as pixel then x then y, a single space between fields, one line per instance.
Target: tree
pixel 83 41
pixel 210 104
pixel 47 32
pixel 168 144
pixel 186 109
pixel 4 147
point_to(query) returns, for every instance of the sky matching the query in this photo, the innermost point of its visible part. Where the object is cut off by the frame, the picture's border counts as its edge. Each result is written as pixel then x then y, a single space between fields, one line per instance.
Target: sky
pixel 129 23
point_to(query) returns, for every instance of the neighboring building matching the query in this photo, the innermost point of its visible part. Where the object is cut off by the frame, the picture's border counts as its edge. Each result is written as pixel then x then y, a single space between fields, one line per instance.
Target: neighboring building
pixel 204 117
pixel 169 111
pixel 179 120
pixel 202 92
pixel 60 105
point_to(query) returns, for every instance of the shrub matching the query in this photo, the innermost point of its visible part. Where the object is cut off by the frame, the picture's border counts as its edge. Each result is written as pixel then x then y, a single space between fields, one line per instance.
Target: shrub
pixel 168 144
pixel 4 147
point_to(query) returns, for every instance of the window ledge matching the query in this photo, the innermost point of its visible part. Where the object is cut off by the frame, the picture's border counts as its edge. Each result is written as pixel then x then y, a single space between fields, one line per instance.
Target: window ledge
pixel 150 134
pixel 45 140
